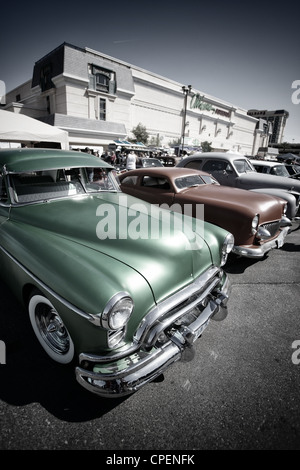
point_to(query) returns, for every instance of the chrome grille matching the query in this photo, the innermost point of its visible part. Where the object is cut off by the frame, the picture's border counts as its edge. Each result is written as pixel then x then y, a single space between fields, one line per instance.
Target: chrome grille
pixel 272 227
pixel 173 309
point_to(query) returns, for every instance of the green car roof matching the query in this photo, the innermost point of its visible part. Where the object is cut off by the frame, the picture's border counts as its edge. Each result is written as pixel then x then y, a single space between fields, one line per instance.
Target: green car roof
pixel 36 159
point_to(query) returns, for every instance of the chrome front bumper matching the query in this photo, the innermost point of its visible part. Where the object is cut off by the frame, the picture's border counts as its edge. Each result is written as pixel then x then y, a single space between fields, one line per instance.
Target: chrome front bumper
pixel 261 250
pixel 132 369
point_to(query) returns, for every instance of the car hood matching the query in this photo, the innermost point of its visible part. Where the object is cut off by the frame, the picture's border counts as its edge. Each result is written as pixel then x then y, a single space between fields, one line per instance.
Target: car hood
pixel 165 262
pixel 234 209
pixel 236 201
pixel 254 180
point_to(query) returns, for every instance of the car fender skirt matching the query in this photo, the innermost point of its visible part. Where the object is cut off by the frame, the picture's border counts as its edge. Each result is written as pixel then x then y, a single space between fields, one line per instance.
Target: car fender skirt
pixel 130 373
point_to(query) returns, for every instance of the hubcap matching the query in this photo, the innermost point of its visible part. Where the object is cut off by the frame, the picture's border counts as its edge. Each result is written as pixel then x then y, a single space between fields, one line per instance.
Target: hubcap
pixel 52 329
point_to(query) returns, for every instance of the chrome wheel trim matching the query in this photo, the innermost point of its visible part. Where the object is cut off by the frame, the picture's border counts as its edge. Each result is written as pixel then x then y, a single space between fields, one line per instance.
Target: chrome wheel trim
pixel 50 329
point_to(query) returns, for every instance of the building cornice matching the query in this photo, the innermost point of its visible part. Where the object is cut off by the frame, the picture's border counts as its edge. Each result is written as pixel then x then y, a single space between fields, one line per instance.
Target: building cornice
pixel 64 79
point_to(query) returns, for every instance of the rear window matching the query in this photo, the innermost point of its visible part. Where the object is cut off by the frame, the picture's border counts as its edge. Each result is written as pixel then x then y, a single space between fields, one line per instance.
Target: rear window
pixel 188 181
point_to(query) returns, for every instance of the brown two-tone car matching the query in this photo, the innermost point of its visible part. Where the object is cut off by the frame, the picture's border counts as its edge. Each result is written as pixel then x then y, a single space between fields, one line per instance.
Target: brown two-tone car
pixel 256 220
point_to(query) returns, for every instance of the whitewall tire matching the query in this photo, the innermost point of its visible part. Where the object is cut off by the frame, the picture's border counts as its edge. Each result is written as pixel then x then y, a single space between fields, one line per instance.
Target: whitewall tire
pixel 50 329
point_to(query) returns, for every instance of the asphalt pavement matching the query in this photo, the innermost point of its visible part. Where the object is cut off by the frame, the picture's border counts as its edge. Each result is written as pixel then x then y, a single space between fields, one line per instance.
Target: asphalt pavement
pixel 241 391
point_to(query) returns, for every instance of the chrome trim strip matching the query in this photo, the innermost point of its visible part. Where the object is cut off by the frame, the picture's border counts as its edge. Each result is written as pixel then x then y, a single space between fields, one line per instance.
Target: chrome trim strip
pixel 109 358
pixel 148 369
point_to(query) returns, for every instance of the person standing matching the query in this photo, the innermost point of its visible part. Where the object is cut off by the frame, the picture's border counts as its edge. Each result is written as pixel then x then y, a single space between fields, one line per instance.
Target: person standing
pixel 131 161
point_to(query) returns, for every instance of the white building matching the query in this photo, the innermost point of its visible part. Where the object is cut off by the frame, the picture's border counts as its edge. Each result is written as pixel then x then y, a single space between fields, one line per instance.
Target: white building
pixel 98 99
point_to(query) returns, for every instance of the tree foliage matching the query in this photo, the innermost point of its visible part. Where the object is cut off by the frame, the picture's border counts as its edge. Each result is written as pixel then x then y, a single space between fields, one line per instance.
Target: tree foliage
pixel 206 146
pixel 156 140
pixel 140 133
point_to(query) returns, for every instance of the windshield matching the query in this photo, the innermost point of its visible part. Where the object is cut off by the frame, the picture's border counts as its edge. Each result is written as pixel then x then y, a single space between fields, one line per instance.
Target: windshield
pixel 100 179
pixel 34 186
pixel 243 165
pixel 279 170
pixel 148 162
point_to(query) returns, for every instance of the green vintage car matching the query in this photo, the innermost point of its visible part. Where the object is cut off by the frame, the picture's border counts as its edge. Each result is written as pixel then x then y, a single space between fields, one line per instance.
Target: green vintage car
pixel 113 284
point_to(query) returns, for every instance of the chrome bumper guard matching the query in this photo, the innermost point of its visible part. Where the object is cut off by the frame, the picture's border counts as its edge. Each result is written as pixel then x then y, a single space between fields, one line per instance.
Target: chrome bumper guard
pixel 261 250
pixel 131 369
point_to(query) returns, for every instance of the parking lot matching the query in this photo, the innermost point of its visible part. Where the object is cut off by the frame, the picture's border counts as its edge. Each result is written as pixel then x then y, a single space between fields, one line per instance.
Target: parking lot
pixel 240 391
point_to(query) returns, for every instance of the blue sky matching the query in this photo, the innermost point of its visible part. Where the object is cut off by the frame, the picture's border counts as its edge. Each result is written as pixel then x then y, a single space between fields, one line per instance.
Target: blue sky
pixel 246 53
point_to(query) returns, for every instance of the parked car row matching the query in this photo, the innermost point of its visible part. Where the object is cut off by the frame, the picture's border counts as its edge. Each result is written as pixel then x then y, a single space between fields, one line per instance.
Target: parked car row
pixel 237 171
pixel 121 273
pixel 277 168
pixel 257 221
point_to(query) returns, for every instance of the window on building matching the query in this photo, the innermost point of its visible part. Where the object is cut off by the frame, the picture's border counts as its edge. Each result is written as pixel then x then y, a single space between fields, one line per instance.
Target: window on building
pixel 48 104
pixel 45 78
pixel 102 110
pixel 102 79
pixel 102 82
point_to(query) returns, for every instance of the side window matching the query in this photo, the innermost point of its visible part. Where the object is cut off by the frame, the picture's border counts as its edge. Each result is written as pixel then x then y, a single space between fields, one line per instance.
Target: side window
pixel 163 183
pixel 157 183
pixel 229 168
pixel 130 181
pixel 195 165
pixel 149 181
pixel 216 166
pixel 3 193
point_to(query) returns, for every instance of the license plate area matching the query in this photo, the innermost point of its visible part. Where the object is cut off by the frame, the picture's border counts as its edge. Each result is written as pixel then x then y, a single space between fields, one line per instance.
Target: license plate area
pixel 198 332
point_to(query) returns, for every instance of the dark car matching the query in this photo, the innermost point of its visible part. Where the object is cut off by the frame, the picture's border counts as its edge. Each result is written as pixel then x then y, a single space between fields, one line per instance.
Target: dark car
pixel 257 221
pixel 233 170
pixel 168 160
pixel 148 162
pixel 270 167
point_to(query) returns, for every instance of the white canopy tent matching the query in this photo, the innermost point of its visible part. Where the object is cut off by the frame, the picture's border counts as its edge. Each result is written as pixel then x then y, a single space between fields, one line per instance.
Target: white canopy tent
pixel 26 130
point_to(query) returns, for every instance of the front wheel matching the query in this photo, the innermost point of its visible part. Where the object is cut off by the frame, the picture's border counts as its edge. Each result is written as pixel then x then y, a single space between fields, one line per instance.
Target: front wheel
pixel 50 329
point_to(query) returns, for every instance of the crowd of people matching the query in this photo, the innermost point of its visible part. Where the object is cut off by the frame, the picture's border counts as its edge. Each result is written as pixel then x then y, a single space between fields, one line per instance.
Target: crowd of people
pixel 125 159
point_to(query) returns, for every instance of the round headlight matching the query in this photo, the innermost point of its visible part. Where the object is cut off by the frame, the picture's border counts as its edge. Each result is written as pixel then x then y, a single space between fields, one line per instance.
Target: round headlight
pixel 227 247
pixel 254 224
pixel 117 311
